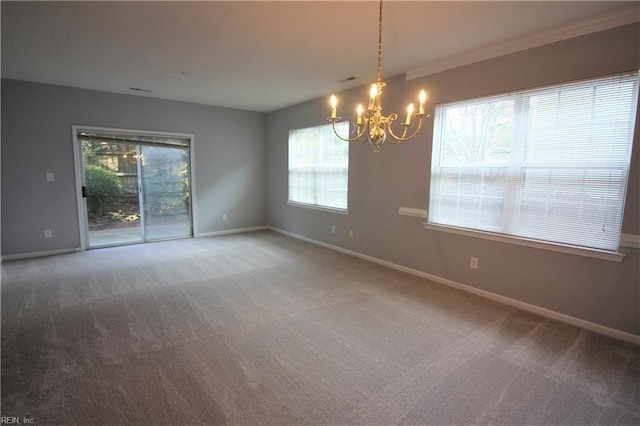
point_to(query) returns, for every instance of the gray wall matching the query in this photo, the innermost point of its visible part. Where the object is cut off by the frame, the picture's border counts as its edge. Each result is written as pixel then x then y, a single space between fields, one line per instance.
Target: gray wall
pixel 236 152
pixel 230 169
pixel 599 291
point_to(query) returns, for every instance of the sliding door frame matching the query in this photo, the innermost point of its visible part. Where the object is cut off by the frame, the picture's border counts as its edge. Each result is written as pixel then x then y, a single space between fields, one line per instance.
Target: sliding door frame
pixel 83 220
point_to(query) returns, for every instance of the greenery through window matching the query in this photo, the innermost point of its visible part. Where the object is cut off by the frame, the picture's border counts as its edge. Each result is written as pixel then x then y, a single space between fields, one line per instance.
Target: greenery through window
pixel 549 164
pixel 136 184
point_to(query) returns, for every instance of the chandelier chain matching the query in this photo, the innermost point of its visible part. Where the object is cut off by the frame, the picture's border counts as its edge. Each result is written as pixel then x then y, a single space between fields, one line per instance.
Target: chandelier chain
pixel 371 125
pixel 380 44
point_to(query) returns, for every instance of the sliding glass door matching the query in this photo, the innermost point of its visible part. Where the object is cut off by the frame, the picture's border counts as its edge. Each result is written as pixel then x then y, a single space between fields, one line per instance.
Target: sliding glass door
pixel 165 186
pixel 135 187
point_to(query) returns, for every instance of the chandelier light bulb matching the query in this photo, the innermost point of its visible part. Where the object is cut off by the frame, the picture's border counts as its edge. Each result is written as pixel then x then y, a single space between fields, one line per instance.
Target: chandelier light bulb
pixel 409 114
pixel 333 101
pixel 373 92
pixel 422 98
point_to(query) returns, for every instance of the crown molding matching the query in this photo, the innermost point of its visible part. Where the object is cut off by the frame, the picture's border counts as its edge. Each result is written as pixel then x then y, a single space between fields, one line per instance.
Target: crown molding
pixel 617 18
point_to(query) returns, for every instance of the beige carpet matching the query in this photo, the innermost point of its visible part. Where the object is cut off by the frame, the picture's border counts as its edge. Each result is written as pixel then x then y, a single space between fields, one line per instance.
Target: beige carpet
pixel 260 328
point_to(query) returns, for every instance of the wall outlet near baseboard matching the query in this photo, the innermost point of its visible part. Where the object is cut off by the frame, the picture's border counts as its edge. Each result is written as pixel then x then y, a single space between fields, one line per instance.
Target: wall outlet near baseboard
pixel 473 263
pixel 350 233
pixel 47 233
pixel 224 217
pixel 333 229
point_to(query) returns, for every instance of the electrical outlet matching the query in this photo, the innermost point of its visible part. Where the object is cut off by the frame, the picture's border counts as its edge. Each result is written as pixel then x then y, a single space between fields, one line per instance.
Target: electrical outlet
pixel 224 217
pixel 473 264
pixel 47 233
pixel 50 177
pixel 333 229
pixel 350 233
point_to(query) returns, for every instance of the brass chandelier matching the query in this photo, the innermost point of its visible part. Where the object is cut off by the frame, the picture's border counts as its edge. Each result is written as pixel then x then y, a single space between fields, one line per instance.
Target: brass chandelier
pixel 371 125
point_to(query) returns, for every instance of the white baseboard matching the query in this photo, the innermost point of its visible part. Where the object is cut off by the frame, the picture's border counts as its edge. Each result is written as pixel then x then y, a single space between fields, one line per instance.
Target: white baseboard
pixel 630 240
pixel 38 254
pixel 73 250
pixel 597 328
pixel 230 231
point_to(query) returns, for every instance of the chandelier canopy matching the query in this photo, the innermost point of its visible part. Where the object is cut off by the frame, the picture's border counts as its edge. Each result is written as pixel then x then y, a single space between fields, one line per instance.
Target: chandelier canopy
pixel 371 125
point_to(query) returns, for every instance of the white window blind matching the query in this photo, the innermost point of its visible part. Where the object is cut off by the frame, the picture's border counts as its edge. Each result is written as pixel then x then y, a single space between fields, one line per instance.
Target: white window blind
pixel 319 166
pixel 549 164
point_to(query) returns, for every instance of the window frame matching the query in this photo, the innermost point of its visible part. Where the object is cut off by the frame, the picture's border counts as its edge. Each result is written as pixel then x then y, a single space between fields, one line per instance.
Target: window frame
pixel 519 98
pixel 317 206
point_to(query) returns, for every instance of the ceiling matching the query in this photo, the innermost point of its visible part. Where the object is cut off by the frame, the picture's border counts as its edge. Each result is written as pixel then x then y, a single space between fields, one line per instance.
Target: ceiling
pixel 265 55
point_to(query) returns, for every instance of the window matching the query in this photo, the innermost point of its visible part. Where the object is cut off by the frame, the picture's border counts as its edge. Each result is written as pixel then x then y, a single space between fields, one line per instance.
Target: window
pixel 319 167
pixel 549 164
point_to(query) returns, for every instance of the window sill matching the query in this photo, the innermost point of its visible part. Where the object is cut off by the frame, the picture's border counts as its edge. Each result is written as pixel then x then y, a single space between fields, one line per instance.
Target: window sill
pixel 594 253
pixel 320 208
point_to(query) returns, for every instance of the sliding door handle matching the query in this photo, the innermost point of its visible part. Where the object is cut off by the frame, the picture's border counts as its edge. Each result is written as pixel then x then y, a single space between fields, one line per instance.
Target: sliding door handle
pixel 84 191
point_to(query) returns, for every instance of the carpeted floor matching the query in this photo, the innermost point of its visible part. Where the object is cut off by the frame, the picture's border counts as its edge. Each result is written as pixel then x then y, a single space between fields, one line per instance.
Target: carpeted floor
pixel 260 328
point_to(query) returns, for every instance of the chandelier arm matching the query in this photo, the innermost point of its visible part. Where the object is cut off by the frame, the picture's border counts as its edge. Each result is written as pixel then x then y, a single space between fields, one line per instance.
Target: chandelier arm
pixel 397 139
pixel 365 128
pixel 354 139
